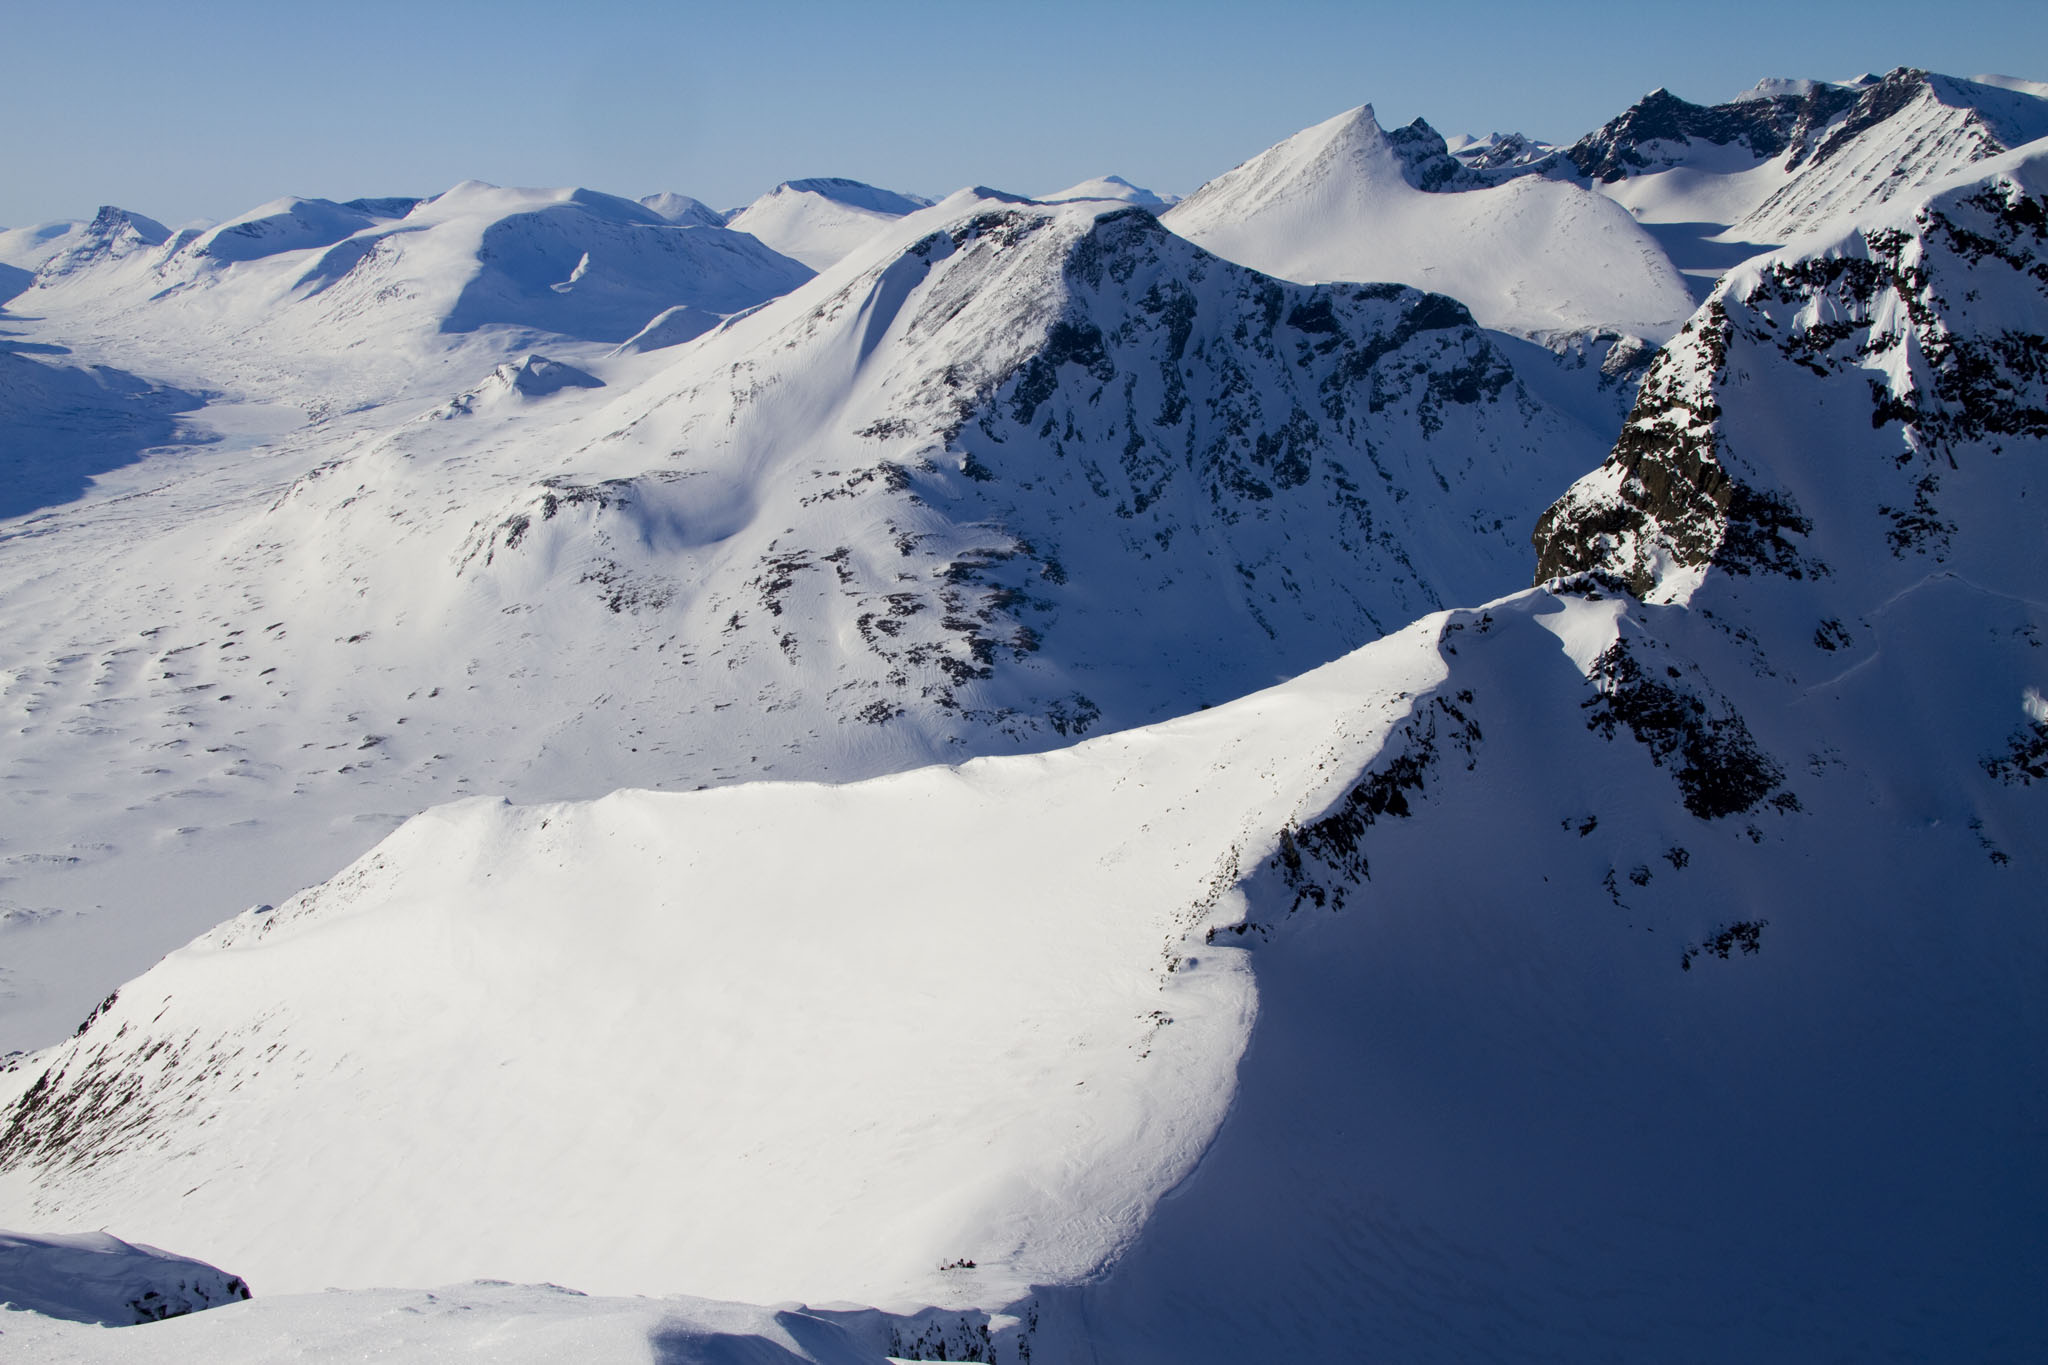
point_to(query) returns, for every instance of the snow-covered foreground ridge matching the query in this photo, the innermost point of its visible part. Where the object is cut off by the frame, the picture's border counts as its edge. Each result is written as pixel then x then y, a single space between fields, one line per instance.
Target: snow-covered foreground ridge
pixel 948 1034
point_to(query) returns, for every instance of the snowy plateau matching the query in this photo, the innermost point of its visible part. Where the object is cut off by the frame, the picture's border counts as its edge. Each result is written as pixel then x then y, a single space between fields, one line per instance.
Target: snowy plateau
pixel 1435 751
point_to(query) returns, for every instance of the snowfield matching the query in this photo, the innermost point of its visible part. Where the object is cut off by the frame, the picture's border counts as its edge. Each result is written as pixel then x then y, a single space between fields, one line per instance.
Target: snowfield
pixel 1069 800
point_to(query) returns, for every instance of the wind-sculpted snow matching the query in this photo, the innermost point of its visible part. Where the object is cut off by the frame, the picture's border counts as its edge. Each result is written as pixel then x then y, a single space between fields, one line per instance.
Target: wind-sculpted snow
pixel 1528 979
pixel 504 1324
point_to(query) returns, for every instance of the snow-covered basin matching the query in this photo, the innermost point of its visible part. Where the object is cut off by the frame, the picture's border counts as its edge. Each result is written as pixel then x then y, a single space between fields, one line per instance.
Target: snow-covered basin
pixel 929 1038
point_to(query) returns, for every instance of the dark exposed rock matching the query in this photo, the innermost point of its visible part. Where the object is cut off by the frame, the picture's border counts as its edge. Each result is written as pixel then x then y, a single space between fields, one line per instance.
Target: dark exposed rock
pixel 2025 761
pixel 1745 936
pixel 1719 768
pixel 1765 126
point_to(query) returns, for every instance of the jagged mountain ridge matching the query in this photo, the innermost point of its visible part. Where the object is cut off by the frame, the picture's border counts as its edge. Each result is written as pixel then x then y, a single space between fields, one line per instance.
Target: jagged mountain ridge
pixel 1917 340
pixel 1798 157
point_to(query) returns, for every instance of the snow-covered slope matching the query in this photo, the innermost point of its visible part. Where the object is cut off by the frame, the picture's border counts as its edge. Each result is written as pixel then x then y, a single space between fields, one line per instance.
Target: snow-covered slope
pixel 1701 915
pixel 820 221
pixel 954 1038
pixel 1345 201
pixel 91 1277
pixel 1016 474
pixel 333 307
pixel 499 1323
pixel 1110 187
pixel 1645 964
pixel 1794 157
pixel 681 208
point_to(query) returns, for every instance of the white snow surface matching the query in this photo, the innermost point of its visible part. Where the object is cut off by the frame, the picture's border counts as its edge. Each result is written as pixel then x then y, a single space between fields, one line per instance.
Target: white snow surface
pixel 819 221
pixel 503 1324
pixel 90 1277
pixel 681 208
pixel 1110 187
pixel 1530 255
pixel 1533 982
pixel 771 551
pixel 960 1015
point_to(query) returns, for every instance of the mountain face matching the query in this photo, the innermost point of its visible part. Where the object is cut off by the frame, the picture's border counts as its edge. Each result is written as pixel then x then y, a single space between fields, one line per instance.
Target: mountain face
pixel 321 281
pixel 1346 201
pixel 1915 341
pixel 1017 475
pixel 682 209
pixel 820 221
pixel 1793 157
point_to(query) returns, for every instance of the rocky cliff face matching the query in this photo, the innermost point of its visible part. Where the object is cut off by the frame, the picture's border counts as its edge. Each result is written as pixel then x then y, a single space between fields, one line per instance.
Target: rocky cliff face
pixel 1904 361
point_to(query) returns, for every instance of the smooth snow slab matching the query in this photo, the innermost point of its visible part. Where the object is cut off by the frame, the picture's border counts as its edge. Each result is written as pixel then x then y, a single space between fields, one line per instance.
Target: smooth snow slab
pixel 820 221
pixel 1110 187
pixel 933 1037
pixel 504 1324
pixel 94 1278
pixel 1529 255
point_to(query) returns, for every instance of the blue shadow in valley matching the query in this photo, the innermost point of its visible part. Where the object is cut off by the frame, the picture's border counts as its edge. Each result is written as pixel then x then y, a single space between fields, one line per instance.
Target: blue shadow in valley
pixel 62 424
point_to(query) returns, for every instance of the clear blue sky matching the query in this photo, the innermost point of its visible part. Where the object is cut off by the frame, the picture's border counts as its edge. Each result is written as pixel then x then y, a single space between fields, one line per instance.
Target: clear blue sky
pixel 206 108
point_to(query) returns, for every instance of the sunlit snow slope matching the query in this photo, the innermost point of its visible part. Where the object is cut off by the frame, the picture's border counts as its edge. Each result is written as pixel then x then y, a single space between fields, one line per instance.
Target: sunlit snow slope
pixel 1013 474
pixel 1340 201
pixel 821 221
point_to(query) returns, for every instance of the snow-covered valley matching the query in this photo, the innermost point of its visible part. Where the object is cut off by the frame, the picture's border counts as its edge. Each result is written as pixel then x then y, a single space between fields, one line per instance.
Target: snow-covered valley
pixel 1046 818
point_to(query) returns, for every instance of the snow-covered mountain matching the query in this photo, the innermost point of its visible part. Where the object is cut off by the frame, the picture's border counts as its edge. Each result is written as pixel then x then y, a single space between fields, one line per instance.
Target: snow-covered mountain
pixel 820 221
pixel 1700 913
pixel 1015 474
pixel 333 307
pixel 1111 187
pixel 1345 200
pixel 681 208
pixel 1718 184
pixel 1639 965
